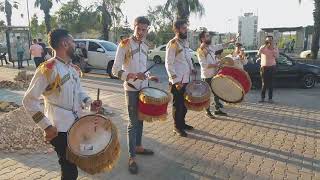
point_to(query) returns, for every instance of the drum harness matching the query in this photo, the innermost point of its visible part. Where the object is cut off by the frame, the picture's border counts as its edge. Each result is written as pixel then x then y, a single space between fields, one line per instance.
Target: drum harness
pixel 64 80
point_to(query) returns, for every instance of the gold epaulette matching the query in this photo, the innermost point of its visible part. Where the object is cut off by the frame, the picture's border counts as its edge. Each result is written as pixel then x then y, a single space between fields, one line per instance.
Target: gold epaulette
pixel 202 52
pixel 124 43
pixel 46 68
pixel 78 69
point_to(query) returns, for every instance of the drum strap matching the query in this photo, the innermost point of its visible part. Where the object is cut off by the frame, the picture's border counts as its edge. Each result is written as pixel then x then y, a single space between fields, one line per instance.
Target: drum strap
pixel 65 108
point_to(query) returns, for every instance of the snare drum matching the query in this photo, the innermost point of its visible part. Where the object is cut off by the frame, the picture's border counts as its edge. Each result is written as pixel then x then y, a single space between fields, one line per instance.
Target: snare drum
pixel 153 103
pixel 93 144
pixel 231 84
pixel 197 95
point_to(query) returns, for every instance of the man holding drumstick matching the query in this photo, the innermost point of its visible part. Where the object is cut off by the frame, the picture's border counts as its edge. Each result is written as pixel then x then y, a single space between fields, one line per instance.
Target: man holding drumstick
pixel 209 66
pixel 129 66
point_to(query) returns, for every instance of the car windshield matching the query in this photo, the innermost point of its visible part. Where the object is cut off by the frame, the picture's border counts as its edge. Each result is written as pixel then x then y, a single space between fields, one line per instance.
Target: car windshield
pixel 109 46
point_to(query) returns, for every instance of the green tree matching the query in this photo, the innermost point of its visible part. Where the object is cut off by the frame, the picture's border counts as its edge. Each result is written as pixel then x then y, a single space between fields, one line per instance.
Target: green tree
pixel 184 8
pixel 161 22
pixel 69 15
pixel 7 7
pixel 45 6
pixel 316 29
pixel 34 25
pixel 110 12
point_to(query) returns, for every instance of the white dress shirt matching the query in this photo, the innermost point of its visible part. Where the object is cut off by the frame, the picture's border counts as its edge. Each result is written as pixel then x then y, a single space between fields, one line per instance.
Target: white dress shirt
pixel 131 57
pixel 61 106
pixel 178 61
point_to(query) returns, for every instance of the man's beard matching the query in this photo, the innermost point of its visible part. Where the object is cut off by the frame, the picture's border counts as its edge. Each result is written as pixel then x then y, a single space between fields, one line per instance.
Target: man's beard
pixel 183 35
pixel 208 42
pixel 71 53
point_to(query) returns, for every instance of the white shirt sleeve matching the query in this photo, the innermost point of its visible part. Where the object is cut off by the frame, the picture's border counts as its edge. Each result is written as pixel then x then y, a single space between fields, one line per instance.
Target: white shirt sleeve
pixel 118 62
pixel 169 63
pixel 31 100
pixel 215 48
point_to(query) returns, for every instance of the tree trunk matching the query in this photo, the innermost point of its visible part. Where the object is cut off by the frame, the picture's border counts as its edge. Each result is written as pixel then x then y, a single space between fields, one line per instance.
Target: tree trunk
pixel 8 17
pixel 105 25
pixel 183 10
pixel 47 20
pixel 316 30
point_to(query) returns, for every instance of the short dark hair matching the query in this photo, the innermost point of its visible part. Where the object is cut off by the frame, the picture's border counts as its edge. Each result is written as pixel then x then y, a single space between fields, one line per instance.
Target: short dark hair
pixel 55 36
pixel 34 40
pixel 18 37
pixel 179 23
pixel 269 36
pixel 202 35
pixel 141 20
pixel 40 40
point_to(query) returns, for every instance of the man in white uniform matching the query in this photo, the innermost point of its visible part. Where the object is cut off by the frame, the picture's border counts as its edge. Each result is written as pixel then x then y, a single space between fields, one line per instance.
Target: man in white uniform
pixel 58 81
pixel 129 66
pixel 179 68
pixel 209 65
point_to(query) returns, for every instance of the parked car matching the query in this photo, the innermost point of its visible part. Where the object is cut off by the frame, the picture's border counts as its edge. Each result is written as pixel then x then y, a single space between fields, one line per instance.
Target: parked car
pixel 101 54
pixel 158 54
pixel 307 54
pixel 288 71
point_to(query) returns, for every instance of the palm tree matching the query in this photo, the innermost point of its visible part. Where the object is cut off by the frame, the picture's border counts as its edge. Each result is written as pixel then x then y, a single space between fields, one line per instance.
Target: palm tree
pixel 110 12
pixel 6 7
pixel 45 6
pixel 316 29
pixel 184 8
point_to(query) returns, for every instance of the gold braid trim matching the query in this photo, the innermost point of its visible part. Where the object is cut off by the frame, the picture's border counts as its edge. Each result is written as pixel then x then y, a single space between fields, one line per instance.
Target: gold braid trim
pixel 155 101
pixel 37 117
pixel 197 108
pixel 102 161
pixel 196 99
pixel 128 54
pixel 148 118
pixel 46 68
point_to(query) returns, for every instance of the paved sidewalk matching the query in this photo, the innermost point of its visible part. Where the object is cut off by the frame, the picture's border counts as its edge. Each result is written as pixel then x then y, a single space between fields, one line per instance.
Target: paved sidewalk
pixel 256 141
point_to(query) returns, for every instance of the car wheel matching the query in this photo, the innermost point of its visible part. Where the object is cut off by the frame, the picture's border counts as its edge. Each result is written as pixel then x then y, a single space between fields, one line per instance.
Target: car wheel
pixel 308 81
pixel 157 59
pixel 109 70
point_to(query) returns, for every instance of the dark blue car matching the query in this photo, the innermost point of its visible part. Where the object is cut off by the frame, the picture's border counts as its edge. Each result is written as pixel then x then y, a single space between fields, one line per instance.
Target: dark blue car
pixel 289 71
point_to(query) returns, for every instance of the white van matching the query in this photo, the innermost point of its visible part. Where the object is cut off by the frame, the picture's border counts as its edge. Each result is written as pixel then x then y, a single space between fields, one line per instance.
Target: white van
pixel 101 54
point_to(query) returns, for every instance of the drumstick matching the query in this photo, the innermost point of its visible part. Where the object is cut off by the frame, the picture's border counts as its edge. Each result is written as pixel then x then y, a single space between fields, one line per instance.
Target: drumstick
pixel 146 70
pixel 98 94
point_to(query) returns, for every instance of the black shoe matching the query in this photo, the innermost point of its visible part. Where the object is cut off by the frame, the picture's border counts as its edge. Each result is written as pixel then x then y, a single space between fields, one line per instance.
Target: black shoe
pixel 261 101
pixel 220 105
pixel 145 152
pixel 219 112
pixel 270 101
pixel 210 115
pixel 181 133
pixel 188 127
pixel 133 168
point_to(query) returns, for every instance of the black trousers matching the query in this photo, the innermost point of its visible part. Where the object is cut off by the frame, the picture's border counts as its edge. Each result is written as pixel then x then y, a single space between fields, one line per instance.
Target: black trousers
pixel 69 171
pixel 179 109
pixel 216 98
pixel 267 73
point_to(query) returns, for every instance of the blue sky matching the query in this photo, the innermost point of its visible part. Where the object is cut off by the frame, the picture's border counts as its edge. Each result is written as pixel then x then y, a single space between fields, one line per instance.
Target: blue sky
pixel 221 15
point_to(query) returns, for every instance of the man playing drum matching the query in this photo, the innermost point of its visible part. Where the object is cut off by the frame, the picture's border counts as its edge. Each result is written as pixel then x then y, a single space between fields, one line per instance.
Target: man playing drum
pixel 179 68
pixel 130 65
pixel 209 65
pixel 58 81
pixel 238 56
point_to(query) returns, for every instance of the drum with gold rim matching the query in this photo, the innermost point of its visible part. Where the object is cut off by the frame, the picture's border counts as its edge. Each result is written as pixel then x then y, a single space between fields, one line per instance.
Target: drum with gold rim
pixel 153 104
pixel 197 95
pixel 231 84
pixel 93 144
